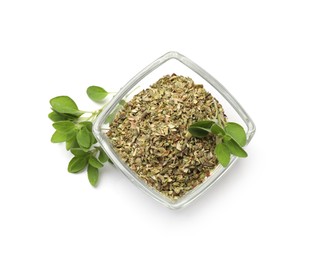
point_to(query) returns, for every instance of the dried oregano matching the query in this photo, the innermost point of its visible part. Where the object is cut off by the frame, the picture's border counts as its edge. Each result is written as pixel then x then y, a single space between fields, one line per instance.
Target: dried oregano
pixel 151 134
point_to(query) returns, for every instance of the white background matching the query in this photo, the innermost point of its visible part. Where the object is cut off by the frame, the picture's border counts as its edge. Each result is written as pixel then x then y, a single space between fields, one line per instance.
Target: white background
pixel 268 54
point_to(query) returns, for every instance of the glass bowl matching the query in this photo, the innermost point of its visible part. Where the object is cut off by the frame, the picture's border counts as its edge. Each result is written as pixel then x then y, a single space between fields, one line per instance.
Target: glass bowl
pixel 171 62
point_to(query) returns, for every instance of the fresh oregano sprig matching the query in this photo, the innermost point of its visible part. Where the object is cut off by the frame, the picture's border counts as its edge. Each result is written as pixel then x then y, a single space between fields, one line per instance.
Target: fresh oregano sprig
pixel 75 129
pixel 231 137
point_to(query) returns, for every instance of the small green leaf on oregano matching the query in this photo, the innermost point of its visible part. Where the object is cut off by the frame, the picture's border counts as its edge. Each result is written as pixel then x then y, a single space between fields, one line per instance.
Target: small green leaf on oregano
pixel 64 126
pixel 237 132
pixel 55 117
pixel 84 138
pixel 217 130
pixel 235 148
pixel 222 154
pixel 87 124
pixel 71 141
pixel 78 152
pixel 95 162
pixel 93 175
pixel 201 128
pixel 102 156
pixel 77 164
pixel 207 124
pixel 198 131
pixel 58 137
pixel 65 105
pixel 96 93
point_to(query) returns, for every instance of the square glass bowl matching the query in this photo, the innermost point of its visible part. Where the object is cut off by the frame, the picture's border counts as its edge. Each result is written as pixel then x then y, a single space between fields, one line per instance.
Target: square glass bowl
pixel 171 62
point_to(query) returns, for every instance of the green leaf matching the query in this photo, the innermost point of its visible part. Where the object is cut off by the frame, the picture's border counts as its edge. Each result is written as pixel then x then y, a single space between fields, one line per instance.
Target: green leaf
pixel 217 130
pixel 237 132
pixel 64 126
pixel 102 156
pixel 84 138
pixel 66 116
pixel 95 162
pixel 96 93
pixel 55 117
pixel 64 104
pixel 235 148
pixel 207 124
pixel 197 131
pixel 227 138
pixel 78 152
pixel 71 141
pixel 58 137
pixel 200 128
pixel 93 175
pixel 93 139
pixel 87 124
pixel 110 161
pixel 223 155
pixel 77 164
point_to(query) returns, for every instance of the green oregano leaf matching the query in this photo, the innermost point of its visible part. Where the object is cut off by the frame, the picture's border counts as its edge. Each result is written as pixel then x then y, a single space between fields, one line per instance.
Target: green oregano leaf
pixel 235 148
pixel 87 124
pixel 58 137
pixel 96 93
pixel 207 124
pixel 226 138
pixel 93 175
pixel 217 130
pixel 222 154
pixel 93 139
pixel 84 138
pixel 65 104
pixel 102 156
pixel 198 131
pixel 77 164
pixel 55 117
pixel 64 126
pixel 71 142
pixel 237 132
pixel 78 152
pixel 95 162
pixel 64 116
